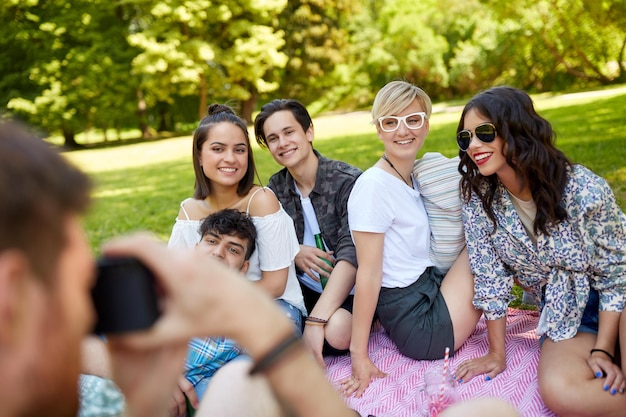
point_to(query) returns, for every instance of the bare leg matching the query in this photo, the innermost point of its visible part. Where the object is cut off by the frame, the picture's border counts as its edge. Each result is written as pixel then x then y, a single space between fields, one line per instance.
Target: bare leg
pixel 339 329
pixel 481 407
pixel 567 384
pixel 622 339
pixel 232 393
pixel 457 289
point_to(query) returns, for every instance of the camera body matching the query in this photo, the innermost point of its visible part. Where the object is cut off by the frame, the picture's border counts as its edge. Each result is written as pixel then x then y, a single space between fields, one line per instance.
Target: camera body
pixel 124 296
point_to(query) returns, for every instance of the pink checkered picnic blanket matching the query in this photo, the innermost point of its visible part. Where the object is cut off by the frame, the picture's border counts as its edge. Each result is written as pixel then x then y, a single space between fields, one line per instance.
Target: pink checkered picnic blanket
pixel 399 393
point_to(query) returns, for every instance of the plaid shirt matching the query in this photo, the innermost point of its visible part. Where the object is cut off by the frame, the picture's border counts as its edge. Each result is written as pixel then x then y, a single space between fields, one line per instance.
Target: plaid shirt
pixel 329 197
pixel 205 356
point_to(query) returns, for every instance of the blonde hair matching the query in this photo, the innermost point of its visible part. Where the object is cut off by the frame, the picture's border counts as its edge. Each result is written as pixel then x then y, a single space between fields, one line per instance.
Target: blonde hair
pixel 396 96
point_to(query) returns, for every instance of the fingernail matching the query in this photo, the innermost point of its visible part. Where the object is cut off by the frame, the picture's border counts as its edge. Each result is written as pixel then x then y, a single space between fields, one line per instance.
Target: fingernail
pixel 621 390
pixel 598 374
pixel 613 391
pixel 606 387
pixel 488 378
pixel 460 381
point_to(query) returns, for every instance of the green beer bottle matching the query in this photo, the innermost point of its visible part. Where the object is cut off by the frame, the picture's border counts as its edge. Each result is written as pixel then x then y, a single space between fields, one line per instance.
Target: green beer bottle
pixel 319 243
pixel 190 410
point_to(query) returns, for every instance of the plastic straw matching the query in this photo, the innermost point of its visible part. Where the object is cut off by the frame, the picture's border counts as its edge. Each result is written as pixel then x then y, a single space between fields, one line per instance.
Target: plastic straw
pixel 444 374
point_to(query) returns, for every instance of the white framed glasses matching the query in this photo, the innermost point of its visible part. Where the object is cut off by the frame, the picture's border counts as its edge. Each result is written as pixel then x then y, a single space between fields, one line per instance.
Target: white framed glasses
pixel 412 121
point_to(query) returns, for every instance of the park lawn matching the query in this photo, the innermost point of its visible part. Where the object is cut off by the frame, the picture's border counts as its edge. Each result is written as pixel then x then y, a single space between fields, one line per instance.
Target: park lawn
pixel 139 186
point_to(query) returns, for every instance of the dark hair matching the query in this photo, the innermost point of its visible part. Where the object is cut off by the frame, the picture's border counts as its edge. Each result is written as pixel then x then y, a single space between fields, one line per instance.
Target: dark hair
pixel 296 108
pixel 233 223
pixel 528 148
pixel 38 189
pixel 219 113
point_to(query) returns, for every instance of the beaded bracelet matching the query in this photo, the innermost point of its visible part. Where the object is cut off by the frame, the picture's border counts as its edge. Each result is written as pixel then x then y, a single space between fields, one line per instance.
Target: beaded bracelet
pixel 275 354
pixel 312 319
pixel 605 352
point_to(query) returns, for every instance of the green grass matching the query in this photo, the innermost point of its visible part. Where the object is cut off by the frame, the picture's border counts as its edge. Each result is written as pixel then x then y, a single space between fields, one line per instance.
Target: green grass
pixel 139 186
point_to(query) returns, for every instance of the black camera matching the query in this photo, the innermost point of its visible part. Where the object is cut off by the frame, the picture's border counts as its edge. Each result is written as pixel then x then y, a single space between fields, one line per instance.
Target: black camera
pixel 124 296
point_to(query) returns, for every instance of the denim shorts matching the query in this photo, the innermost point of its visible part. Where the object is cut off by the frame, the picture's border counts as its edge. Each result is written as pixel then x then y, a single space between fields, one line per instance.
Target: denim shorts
pixel 293 313
pixel 589 320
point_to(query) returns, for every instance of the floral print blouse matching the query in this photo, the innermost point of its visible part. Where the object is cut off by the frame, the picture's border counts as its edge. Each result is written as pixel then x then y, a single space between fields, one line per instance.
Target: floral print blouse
pixel 589 248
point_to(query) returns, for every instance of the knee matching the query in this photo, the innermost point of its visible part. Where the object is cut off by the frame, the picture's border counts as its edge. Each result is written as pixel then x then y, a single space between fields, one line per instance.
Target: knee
pixel 339 330
pixel 560 395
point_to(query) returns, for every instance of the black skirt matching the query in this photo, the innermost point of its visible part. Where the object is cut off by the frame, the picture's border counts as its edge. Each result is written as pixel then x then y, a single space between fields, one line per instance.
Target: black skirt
pixel 417 317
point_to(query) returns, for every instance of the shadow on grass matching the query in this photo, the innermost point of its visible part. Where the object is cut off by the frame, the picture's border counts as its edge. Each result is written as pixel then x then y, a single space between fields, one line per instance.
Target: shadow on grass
pixel 142 198
pixel 115 143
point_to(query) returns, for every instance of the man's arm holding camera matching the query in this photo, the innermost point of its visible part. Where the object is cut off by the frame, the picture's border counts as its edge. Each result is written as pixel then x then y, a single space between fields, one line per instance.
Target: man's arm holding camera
pixel 202 297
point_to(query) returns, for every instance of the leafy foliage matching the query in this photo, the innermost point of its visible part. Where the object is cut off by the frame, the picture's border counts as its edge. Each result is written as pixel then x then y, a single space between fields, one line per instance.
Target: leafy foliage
pixel 316 38
pixel 77 65
pixel 154 65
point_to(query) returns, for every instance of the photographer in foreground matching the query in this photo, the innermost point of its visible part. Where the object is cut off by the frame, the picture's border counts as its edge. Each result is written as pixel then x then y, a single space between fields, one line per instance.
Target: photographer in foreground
pixel 46 273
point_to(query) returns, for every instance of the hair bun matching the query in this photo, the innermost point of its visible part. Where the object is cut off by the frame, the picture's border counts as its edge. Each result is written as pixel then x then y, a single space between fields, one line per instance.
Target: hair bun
pixel 217 108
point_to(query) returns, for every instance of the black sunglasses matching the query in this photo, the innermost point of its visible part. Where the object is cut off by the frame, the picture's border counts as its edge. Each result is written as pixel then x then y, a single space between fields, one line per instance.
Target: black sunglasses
pixel 485 133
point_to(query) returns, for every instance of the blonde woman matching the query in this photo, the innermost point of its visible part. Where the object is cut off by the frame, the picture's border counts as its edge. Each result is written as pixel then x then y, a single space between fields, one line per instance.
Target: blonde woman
pixel 423 310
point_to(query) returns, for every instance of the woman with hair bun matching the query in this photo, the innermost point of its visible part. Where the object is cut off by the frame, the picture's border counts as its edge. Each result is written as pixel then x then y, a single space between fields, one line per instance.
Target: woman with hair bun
pixel 224 179
pixel 224 168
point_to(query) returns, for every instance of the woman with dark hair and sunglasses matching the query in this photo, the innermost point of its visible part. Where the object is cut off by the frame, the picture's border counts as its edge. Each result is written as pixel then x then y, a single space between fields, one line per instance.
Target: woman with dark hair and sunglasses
pixel 554 227
pixel 423 309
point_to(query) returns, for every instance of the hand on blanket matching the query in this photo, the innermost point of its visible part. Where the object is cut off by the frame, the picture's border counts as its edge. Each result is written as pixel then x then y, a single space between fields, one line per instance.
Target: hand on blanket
pixel 491 364
pixel 614 377
pixel 363 372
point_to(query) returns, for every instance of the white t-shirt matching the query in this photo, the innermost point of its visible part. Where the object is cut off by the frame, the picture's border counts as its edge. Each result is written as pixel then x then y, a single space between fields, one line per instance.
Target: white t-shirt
pixel 382 203
pixel 276 248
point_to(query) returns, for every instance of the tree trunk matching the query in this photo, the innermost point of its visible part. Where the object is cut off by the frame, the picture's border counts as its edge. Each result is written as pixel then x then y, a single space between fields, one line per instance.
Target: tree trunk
pixel 620 61
pixel 70 139
pixel 248 106
pixel 202 108
pixel 141 115
pixel 163 116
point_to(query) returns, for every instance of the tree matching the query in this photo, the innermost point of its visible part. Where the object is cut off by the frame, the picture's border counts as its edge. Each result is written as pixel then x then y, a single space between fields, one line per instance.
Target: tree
pixel 560 43
pixel 223 50
pixel 76 65
pixel 316 41
pixel 403 45
pixel 22 45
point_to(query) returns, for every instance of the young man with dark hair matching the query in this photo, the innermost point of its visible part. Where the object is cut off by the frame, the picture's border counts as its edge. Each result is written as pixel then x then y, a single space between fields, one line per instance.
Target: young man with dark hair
pixel 229 236
pixel 314 191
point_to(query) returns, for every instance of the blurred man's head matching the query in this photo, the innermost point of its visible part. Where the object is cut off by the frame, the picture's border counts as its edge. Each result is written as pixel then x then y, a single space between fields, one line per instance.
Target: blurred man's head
pixel 46 272
pixel 230 236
